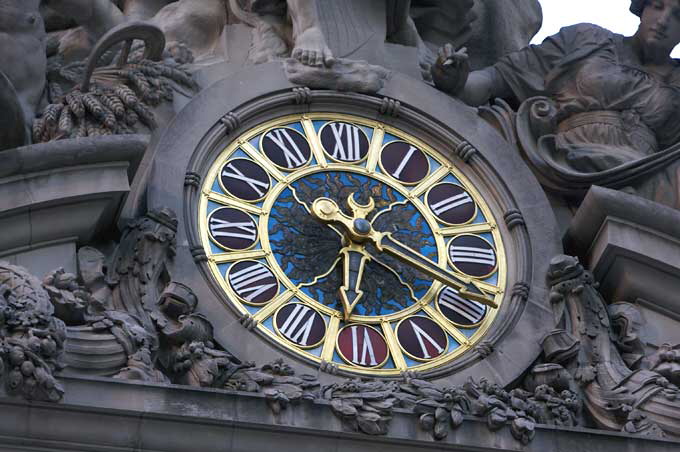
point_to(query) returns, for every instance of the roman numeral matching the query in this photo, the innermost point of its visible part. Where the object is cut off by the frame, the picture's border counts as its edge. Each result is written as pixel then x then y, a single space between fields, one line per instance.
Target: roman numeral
pixel 471 255
pixel 234 173
pixel 422 336
pixel 296 328
pixel 242 230
pixel 349 149
pixel 366 349
pixel 242 281
pixel 450 203
pixel 470 310
pixel 294 157
pixel 404 162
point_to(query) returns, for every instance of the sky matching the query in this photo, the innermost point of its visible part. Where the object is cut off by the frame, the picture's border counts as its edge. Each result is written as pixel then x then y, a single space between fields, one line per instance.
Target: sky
pixel 611 14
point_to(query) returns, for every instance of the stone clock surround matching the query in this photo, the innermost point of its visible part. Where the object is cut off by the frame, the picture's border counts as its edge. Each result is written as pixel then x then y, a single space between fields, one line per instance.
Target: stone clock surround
pixel 257 94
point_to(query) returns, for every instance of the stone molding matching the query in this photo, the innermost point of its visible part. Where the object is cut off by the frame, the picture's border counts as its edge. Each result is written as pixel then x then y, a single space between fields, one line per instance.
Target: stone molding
pixel 108 415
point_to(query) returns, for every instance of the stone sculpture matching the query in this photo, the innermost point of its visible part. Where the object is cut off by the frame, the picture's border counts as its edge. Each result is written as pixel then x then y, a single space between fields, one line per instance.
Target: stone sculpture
pixel 23 63
pixel 616 396
pixel 606 117
pixel 31 337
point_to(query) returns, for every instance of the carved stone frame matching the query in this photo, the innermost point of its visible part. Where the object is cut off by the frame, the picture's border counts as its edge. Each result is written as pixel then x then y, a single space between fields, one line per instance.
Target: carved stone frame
pixel 243 100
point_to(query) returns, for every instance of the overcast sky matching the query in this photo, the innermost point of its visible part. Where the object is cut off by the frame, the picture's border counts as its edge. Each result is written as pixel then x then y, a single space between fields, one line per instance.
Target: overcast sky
pixel 611 14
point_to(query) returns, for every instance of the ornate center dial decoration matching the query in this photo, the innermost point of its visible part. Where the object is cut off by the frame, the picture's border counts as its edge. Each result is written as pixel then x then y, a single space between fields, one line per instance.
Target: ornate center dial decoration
pixel 352 243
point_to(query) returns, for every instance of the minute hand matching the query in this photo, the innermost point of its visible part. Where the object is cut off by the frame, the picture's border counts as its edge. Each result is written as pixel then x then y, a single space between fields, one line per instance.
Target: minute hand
pixel 387 244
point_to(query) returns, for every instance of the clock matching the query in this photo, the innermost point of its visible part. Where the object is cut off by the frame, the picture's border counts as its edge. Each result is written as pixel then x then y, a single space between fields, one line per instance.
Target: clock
pixel 355 235
pixel 351 242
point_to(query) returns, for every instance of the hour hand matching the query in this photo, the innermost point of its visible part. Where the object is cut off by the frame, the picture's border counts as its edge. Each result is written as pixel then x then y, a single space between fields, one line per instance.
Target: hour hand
pixel 354 262
pixel 393 247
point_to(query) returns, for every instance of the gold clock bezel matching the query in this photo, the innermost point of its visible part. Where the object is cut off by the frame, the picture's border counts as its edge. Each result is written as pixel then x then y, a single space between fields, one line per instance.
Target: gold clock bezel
pixel 370 166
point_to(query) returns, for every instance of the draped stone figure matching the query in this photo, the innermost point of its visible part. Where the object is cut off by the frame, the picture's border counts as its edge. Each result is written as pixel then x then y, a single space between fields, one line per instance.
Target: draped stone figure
pixel 607 113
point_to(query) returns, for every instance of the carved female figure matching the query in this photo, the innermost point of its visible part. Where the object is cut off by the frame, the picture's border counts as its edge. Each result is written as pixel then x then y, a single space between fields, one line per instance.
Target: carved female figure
pixel 615 99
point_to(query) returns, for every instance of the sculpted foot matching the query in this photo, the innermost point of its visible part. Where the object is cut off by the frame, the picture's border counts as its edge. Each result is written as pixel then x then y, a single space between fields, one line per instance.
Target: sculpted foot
pixel 311 49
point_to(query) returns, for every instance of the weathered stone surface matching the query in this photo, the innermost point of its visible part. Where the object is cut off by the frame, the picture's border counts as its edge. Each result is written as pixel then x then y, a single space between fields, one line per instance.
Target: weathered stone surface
pixel 631 245
pixel 80 183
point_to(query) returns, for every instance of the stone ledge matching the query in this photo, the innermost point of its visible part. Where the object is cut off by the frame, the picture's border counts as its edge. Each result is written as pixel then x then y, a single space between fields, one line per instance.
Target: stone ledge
pixel 631 245
pixel 64 189
pixel 110 415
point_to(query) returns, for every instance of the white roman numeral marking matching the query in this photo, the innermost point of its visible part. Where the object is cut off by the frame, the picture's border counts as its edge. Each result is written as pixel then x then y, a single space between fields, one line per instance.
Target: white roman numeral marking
pixel 242 230
pixel 293 330
pixel 255 184
pixel 471 255
pixel 291 151
pixel 468 309
pixel 352 150
pixel 241 281
pixel 450 203
pixel 420 335
pixel 366 349
pixel 404 162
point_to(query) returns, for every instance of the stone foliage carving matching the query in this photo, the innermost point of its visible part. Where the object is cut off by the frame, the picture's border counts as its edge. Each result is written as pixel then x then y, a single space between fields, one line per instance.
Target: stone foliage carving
pixel 442 409
pixel 364 406
pixel 31 337
pixel 276 381
pixel 618 394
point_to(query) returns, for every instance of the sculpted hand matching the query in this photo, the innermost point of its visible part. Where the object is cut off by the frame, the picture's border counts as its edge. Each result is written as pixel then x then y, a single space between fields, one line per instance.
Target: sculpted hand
pixel 452 69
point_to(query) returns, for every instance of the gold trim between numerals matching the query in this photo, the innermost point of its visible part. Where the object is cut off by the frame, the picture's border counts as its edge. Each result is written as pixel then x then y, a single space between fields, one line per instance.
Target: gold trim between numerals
pixel 270 308
pixel 475 228
pixel 393 345
pixel 234 203
pixel 223 258
pixel 349 361
pixel 329 344
pixel 315 140
pixel 375 148
pixel 430 180
pixel 369 169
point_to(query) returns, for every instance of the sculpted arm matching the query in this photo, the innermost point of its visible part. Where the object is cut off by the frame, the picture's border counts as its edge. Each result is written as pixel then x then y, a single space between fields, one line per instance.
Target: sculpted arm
pixel 452 75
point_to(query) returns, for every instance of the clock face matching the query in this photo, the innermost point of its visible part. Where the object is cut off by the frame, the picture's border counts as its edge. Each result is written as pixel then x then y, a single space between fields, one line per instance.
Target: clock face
pixel 353 243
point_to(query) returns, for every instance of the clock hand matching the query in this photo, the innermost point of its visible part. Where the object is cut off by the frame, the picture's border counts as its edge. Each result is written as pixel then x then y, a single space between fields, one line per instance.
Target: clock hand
pixel 355 258
pixel 393 247
pixel 359 230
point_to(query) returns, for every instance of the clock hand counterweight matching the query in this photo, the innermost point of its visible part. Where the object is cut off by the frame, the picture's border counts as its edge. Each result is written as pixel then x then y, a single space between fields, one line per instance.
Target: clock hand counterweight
pixel 359 230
